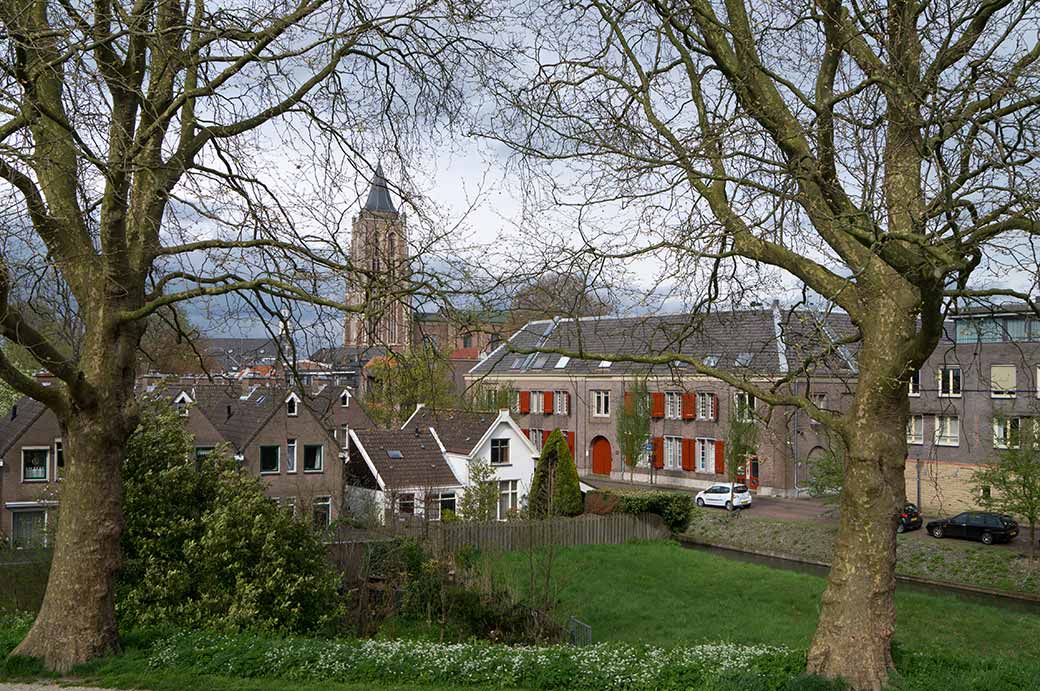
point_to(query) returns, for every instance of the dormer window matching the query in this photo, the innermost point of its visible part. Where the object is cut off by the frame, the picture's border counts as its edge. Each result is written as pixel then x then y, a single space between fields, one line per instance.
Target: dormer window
pixel 181 403
pixel 292 406
pixel 344 398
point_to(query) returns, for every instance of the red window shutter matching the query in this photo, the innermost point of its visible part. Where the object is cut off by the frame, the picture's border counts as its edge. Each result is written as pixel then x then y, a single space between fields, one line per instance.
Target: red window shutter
pixel 567 403
pixel 545 436
pixel 570 442
pixel 548 407
pixel 715 407
pixel 527 432
pixel 689 406
pixel 687 454
pixel 658 452
pixel 630 402
pixel 720 457
pixel 657 405
pixel 525 402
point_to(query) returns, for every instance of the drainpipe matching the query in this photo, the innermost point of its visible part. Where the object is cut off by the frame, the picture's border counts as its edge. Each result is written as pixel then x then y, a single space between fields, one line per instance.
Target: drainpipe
pixel 918 484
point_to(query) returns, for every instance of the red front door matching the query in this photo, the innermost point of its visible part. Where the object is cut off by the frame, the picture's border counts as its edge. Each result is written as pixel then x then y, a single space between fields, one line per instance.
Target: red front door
pixel 601 460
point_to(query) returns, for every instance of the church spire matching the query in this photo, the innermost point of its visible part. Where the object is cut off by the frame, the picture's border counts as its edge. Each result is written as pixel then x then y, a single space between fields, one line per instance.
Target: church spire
pixel 379 194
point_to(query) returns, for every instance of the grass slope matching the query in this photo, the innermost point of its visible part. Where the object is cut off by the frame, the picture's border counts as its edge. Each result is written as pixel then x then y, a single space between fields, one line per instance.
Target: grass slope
pixel 662 594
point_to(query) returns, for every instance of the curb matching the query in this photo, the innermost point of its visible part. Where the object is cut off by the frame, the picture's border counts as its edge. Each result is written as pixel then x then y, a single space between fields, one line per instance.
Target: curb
pixel 947 585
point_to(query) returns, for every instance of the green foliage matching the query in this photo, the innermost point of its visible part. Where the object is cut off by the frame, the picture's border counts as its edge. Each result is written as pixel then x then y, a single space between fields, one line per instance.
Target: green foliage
pixel 633 424
pixel 675 508
pixel 205 547
pixel 555 489
pixel 827 469
pixel 24 363
pixel 402 381
pixel 480 500
pixel 1010 482
pixel 741 443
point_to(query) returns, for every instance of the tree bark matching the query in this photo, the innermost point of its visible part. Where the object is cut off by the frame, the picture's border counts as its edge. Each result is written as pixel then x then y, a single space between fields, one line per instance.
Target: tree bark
pixel 77 621
pixel 857 618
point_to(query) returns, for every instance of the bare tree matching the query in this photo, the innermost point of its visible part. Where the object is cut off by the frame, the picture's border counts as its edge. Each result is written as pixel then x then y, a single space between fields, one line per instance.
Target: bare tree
pixel 880 154
pixel 156 152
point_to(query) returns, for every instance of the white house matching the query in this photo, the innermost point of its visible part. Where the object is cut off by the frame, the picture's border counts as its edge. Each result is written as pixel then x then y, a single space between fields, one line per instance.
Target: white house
pixel 466 435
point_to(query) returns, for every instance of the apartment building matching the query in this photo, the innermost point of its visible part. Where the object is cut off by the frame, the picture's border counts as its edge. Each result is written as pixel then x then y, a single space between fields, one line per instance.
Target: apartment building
pixel 789 350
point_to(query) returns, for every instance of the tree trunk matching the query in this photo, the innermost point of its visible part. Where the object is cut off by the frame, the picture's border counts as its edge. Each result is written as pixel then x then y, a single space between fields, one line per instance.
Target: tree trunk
pixel 857 617
pixel 77 621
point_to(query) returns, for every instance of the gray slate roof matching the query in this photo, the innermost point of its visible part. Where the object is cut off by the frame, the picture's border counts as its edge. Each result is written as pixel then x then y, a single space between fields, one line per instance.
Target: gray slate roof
pixel 458 430
pixel 421 463
pixel 26 412
pixel 379 194
pixel 759 342
pixel 235 353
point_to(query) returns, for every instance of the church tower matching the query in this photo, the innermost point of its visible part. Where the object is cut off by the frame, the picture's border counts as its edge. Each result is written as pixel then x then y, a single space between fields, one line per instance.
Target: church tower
pixel 379 256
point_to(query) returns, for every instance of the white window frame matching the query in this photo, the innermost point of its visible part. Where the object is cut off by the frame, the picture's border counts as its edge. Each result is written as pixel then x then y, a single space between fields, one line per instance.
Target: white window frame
pixel 1006 426
pixel 59 452
pixel 46 465
pixel 434 505
pixel 290 503
pixel 344 399
pixel 600 402
pixel 399 502
pixel 260 459
pixel 673 453
pixel 537 402
pixel 705 405
pixel 947 381
pixel 561 399
pixel 181 404
pixel 747 407
pixel 293 411
pixel 704 455
pixel 1011 393
pixel 913 387
pixel 321 458
pixel 915 430
pixel 290 455
pixel 673 405
pixel 325 502
pixel 947 439
pixel 511 490
pixel 491 454
pixel 535 435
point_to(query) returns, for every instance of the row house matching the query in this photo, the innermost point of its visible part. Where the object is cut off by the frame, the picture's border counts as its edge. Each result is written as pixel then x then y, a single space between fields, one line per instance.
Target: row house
pixel 422 470
pixel 293 439
pixel 690 413
pixel 973 398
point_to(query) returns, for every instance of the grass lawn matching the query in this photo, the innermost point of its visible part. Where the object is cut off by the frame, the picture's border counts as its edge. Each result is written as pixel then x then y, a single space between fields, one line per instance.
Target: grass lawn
pixel 663 594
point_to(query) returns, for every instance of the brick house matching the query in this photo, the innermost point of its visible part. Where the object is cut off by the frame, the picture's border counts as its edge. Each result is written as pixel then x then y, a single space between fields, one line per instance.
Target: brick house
pixel 31 465
pixel 690 412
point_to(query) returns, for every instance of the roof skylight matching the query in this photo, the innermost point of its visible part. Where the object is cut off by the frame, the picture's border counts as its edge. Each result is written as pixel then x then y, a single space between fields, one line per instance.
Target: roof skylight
pixel 562 362
pixel 605 363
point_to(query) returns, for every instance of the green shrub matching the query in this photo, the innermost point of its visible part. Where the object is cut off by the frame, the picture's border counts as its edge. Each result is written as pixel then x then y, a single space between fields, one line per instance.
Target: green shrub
pixel 555 489
pixel 204 547
pixel 676 508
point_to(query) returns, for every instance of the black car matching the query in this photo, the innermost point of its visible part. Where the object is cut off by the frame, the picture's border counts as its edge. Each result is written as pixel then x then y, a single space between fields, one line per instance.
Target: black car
pixel 975 525
pixel 909 518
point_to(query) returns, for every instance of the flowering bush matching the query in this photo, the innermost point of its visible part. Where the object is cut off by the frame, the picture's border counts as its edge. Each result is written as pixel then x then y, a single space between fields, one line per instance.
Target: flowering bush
pixel 600 666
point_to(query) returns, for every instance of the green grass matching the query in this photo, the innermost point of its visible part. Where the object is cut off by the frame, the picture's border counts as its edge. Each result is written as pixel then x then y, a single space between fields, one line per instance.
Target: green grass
pixel 662 594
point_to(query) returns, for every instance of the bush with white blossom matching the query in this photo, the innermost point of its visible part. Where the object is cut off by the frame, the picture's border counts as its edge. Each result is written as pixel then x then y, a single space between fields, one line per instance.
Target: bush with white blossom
pixel 600 666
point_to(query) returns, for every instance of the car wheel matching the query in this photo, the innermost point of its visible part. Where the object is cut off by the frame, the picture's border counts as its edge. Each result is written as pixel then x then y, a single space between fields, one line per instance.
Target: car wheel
pixel 700 501
pixel 937 531
pixel 729 506
pixel 987 539
pixel 900 528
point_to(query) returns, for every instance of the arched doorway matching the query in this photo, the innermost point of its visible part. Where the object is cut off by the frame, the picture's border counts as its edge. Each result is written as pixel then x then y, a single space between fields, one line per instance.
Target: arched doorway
pixel 601 456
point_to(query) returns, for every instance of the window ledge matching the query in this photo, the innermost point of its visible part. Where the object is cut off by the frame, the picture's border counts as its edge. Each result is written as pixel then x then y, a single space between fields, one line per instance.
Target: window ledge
pixel 949 395
pixel 950 444
pixel 1003 395
pixel 29 481
pixel 270 472
pixel 316 471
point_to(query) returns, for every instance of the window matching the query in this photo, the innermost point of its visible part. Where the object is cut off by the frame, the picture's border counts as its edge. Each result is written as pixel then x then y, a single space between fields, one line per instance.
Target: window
pixel 406 504
pixel 949 381
pixel 59 459
pixel 28 528
pixel 202 452
pixel 269 459
pixel 915 429
pixel 704 456
pixel 290 456
pixel 290 506
pixel 467 341
pixel 947 430
pixel 601 403
pixel 706 406
pixel 34 463
pixel 291 406
pixel 562 362
pixel 711 360
pixel 517 363
pixel 536 437
pixel 539 361
pixel 743 359
pixel 744 406
pixel 344 399
pixel 673 453
pixel 604 364
pixel 181 403
pixel 561 403
pixel 322 512
pixel 439 503
pixel 1007 432
pixel 508 498
pixel 914 385
pixel 344 435
pixel 312 458
pixel 817 399
pixel 1003 381
pixel 499 452
pixel 537 402
pixel 672 405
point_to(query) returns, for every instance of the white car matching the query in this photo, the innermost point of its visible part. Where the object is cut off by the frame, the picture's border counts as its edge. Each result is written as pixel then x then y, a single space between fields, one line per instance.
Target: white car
pixel 728 494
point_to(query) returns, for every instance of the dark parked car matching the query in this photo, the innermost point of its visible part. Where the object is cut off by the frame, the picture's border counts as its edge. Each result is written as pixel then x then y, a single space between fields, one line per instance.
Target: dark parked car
pixel 987 527
pixel 909 518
